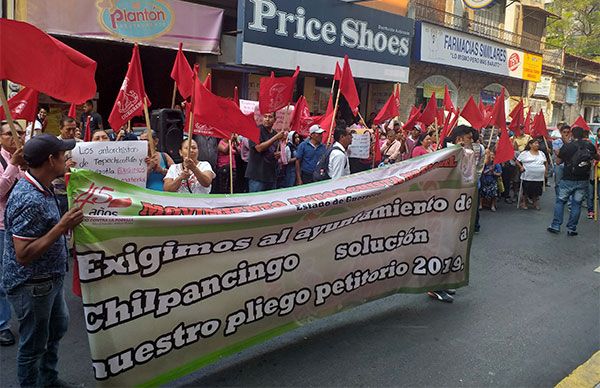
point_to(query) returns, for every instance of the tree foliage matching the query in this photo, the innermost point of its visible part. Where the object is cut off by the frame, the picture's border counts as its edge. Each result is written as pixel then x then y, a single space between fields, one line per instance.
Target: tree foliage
pixel 578 30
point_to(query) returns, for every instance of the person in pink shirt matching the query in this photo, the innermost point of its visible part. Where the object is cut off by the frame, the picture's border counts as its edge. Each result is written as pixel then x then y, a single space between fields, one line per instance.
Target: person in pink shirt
pixel 422 146
pixel 11 164
pixel 411 141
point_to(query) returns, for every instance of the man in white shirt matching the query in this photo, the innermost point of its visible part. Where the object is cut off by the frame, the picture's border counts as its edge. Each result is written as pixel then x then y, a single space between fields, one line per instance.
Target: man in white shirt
pixel 338 159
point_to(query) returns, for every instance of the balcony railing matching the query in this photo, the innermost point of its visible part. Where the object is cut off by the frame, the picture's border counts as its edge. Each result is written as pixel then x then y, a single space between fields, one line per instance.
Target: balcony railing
pixel 429 14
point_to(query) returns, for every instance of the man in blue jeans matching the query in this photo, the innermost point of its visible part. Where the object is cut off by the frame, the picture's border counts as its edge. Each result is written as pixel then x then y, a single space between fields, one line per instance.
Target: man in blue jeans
pixel 577 157
pixel 35 260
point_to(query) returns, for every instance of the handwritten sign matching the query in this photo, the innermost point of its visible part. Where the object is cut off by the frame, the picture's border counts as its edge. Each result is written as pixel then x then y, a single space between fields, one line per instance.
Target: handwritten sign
pixel 122 160
pixel 249 106
pixel 361 146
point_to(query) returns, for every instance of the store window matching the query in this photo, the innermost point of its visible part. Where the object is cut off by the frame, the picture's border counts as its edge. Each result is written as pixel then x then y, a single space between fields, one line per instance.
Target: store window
pixel 435 83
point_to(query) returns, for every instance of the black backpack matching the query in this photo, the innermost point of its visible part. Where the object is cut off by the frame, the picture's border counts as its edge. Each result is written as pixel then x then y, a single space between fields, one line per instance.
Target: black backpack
pixel 581 162
pixel 321 172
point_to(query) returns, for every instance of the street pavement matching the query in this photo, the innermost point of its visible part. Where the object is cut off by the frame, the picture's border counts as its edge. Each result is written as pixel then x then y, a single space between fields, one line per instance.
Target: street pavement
pixel 529 317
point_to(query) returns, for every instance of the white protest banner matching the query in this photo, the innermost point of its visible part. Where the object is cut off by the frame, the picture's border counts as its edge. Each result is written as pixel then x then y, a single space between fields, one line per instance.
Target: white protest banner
pixel 122 160
pixel 361 146
pixel 173 282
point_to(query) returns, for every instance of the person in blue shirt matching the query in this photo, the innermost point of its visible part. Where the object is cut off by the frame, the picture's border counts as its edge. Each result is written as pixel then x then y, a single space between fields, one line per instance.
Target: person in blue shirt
pixel 34 261
pixel 308 154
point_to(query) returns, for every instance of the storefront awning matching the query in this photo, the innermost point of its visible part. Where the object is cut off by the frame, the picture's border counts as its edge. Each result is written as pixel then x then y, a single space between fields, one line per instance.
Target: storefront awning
pixel 532 8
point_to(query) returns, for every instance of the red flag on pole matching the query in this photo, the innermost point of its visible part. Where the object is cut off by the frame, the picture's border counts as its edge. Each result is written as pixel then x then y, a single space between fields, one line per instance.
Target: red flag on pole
pixel 498 117
pixel 448 105
pixel 72 111
pixel 527 125
pixel 276 92
pixel 182 74
pixel 504 149
pixel 390 109
pixel 32 58
pixel 413 117
pixel 472 114
pixel 348 87
pixel 580 122
pixel 337 76
pixel 324 121
pixel 301 119
pixel 222 115
pixel 539 127
pixel 449 125
pixel 236 96
pixel 208 83
pixel 22 106
pixel 517 118
pixel 88 132
pixel 430 112
pixel 130 100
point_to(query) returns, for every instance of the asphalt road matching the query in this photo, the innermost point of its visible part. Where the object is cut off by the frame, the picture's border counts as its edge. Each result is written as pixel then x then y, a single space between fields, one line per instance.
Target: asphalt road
pixel 530 315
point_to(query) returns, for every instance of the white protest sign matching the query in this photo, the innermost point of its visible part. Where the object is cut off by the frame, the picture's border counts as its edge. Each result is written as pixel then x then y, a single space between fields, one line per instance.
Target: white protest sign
pixel 361 146
pixel 122 160
pixel 249 106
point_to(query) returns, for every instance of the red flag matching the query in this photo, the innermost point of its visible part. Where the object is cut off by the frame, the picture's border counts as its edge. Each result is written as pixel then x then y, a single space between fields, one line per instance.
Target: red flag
pixel 182 74
pixel 236 96
pixel 326 120
pixel 430 112
pixel 472 114
pixel 222 115
pixel 72 111
pixel 337 76
pixel 22 106
pixel 448 105
pixel 482 107
pixel 498 117
pixel 390 109
pixel 449 125
pixel 517 118
pixel 413 117
pixel 130 100
pixel 348 87
pixel 88 132
pixel 580 122
pixel 301 118
pixel 504 149
pixel 276 92
pixel 527 125
pixel 208 83
pixel 32 58
pixel 440 116
pixel 539 126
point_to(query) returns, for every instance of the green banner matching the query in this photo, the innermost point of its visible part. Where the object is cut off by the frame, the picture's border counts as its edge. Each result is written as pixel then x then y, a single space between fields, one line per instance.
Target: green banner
pixel 173 282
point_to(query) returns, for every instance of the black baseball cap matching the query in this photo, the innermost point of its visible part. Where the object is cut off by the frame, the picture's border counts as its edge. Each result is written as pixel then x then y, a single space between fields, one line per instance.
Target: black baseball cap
pixel 40 147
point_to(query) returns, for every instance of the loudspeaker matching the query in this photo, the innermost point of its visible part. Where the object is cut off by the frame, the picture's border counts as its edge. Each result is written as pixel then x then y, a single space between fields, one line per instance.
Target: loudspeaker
pixel 168 125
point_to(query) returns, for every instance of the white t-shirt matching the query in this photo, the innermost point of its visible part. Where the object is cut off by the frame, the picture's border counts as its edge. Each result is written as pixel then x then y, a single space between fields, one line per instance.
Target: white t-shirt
pixel 338 162
pixel 534 166
pixel 192 185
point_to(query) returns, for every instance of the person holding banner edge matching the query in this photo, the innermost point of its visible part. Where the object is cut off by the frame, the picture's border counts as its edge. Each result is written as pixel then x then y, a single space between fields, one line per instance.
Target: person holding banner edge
pixel 191 176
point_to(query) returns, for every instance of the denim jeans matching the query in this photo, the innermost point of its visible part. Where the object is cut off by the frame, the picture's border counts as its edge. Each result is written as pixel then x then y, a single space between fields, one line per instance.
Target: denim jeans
pixel 4 304
pixel 559 171
pixel 590 197
pixel 255 186
pixel 567 188
pixel 43 319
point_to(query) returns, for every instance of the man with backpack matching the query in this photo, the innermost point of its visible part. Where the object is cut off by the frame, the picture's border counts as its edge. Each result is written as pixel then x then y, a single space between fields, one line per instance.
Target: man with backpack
pixel 577 157
pixel 338 164
pixel 308 154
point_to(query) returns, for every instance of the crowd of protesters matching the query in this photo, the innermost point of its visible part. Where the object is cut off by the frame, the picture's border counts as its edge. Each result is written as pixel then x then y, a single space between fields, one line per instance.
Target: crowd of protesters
pixel 35 219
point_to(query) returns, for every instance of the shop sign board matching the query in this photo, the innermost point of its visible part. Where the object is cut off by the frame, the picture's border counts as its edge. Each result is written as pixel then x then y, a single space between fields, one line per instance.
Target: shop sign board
pixel 444 46
pixel 160 23
pixel 315 34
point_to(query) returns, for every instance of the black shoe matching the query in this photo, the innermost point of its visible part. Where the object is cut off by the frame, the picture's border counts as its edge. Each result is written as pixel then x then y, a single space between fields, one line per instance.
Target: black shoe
pixel 451 291
pixel 572 233
pixel 441 295
pixel 6 338
pixel 552 230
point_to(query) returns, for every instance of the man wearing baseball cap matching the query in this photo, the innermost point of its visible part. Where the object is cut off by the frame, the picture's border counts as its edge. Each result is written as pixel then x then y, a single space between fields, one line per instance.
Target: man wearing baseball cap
pixel 35 260
pixel 308 154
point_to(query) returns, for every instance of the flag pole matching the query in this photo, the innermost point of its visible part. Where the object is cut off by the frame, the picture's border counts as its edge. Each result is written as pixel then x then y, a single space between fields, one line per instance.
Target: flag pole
pixel 332 86
pixel 9 118
pixel 337 100
pixel 230 167
pixel 492 130
pixel 149 130
pixel 596 181
pixel 437 133
pixel 174 94
pixel 191 124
